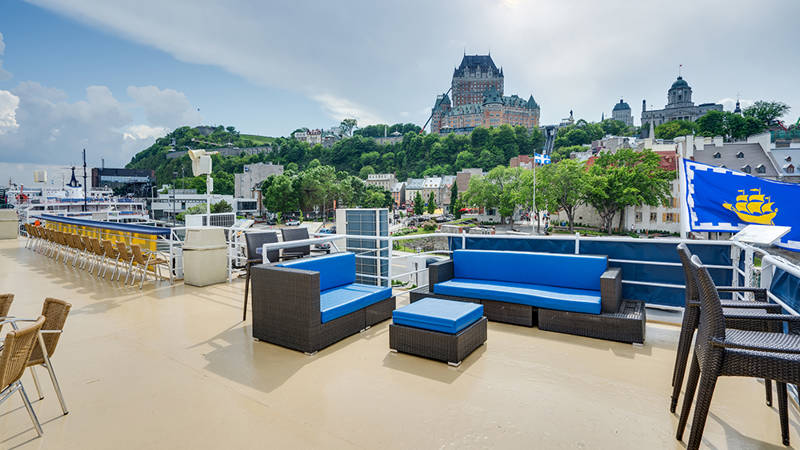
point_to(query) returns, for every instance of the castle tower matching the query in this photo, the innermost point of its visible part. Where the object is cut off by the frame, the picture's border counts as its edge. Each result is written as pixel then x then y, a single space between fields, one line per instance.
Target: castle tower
pixel 473 77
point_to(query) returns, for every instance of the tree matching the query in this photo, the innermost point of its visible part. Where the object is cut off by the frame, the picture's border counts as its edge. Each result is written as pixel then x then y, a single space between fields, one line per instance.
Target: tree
pixel 419 206
pixel 347 126
pixel 221 207
pixel 675 128
pixel 728 125
pixel 431 203
pixel 766 112
pixel 711 124
pixel 365 172
pixel 562 153
pixel 453 196
pixel 565 183
pixel 498 189
pixel 626 178
pixel 279 194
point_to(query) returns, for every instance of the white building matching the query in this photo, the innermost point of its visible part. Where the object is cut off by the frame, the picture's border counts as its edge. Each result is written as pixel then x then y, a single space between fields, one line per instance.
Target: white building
pixel 382 180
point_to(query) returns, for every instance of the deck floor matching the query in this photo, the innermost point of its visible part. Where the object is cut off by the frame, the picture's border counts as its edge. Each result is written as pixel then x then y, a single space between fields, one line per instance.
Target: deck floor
pixel 174 367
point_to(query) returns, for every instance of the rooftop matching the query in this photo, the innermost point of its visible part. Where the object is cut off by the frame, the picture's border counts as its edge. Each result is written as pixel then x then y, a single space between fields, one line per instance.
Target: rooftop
pixel 174 367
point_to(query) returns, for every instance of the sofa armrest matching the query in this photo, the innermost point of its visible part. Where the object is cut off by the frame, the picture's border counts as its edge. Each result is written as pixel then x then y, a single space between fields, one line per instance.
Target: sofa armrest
pixel 286 303
pixel 611 290
pixel 439 271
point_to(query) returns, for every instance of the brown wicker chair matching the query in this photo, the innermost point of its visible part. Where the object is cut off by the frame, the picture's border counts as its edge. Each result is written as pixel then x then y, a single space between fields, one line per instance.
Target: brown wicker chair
pixel 127 257
pixel 55 312
pixel 691 317
pixel 720 351
pixel 144 264
pixel 5 305
pixel 111 253
pixel 13 358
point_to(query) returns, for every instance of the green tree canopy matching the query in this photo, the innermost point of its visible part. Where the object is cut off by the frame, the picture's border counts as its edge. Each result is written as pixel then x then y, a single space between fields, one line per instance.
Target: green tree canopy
pixel 431 203
pixel 766 112
pixel 419 204
pixel 675 128
pixel 565 186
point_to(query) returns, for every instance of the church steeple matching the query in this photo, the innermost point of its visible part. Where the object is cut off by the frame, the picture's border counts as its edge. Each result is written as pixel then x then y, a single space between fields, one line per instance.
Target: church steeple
pixel 738 109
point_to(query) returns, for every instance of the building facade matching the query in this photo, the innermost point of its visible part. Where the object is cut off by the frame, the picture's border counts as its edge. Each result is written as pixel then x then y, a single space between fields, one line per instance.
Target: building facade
pixel 622 112
pixel 679 106
pixel 248 184
pixel 383 180
pixel 478 100
pixel 124 181
pixel 399 193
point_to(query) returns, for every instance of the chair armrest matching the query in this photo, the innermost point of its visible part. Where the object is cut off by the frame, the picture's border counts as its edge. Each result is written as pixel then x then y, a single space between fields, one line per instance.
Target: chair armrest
pixel 611 290
pixel 745 304
pixel 767 316
pixel 439 271
pixel 286 293
pixel 759 294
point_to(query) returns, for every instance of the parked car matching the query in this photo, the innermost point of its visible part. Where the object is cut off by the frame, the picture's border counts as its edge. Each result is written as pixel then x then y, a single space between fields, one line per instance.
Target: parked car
pixel 323 246
pixel 293 223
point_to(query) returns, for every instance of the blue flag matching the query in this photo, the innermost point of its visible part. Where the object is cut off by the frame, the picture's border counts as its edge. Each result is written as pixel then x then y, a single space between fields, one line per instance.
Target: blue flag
pixel 719 199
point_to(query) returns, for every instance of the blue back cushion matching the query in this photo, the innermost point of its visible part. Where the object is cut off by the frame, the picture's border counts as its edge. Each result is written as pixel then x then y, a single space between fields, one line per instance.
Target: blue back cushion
pixel 549 269
pixel 334 270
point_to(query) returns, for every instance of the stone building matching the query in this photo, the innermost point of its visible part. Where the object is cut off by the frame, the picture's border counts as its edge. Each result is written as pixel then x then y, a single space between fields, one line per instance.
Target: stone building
pixel 622 112
pixel 478 100
pixel 679 106
pixel 383 180
pixel 248 183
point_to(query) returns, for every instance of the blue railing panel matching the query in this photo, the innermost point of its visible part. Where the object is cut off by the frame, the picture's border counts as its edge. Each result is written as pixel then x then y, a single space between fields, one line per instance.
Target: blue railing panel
pixel 786 287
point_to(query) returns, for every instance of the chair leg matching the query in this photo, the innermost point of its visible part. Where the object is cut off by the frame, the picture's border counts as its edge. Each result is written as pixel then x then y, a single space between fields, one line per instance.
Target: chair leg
pixel 768 389
pixel 708 382
pixel 246 292
pixel 49 366
pixel 36 382
pixel 682 356
pixel 688 397
pixel 31 412
pixel 783 411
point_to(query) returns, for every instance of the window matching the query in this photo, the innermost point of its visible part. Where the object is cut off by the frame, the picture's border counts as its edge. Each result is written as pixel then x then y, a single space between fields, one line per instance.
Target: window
pixel 747 169
pixel 740 155
pixel 789 168
pixel 717 155
pixel 653 217
pixel 788 159
pixel 668 217
pixel 761 169
pixel 638 216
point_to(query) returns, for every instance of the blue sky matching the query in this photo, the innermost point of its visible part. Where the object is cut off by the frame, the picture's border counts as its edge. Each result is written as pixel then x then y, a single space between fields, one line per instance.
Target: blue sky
pixel 112 75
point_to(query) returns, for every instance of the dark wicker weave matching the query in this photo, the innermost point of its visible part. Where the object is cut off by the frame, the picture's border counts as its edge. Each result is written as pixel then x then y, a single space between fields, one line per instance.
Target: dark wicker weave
pixel 691 317
pixel 743 353
pixel 619 320
pixel 286 310
pixel 295 234
pixel 255 242
pixel 625 325
pixel 451 348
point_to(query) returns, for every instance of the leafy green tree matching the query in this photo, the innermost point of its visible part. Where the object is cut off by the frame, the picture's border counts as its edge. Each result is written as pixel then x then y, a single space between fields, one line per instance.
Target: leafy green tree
pixel 279 194
pixel 221 206
pixel 347 126
pixel 453 195
pixel 431 203
pixel 766 112
pixel 626 178
pixel 728 125
pixel 562 153
pixel 365 172
pixel 419 205
pixel 498 189
pixel 565 183
pixel 675 128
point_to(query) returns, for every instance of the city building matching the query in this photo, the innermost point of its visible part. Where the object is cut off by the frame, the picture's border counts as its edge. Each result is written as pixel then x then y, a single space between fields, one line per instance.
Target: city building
pixel 787 162
pixel 478 100
pixel 247 185
pixel 463 177
pixel 383 180
pixel 326 138
pixel 440 186
pixel 391 139
pixel 136 182
pixel 622 112
pixel 399 193
pixel 679 106
pixel 169 204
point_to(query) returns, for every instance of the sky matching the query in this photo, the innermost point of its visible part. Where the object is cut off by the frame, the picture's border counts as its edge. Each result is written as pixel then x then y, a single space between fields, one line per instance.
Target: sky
pixel 111 76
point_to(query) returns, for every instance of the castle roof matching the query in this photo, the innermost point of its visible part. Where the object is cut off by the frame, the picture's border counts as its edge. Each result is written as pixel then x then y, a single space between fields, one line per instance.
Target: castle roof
pixel 483 63
pixel 532 103
pixel 679 83
pixel 621 106
pixel 492 95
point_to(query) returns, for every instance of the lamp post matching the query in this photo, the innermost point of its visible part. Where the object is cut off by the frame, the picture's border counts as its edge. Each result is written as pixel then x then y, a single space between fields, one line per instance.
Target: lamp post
pixel 174 175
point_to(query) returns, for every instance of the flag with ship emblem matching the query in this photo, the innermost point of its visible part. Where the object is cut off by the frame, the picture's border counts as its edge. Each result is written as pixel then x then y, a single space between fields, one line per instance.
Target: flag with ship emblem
pixel 720 199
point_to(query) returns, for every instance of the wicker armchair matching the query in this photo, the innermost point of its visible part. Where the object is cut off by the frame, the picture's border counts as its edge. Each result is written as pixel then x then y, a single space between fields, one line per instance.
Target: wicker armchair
pixel 153 260
pixel 5 305
pixel 13 358
pixel 55 312
pixel 255 241
pixel 720 351
pixel 691 317
pixel 295 234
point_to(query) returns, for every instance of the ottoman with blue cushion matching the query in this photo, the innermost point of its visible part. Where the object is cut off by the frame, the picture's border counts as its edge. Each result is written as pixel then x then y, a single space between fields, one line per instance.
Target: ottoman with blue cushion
pixel 444 330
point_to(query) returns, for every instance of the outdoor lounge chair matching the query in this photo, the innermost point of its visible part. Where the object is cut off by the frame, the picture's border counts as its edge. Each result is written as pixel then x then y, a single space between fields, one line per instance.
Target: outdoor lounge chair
pixel 255 241
pixel 311 303
pixel 295 234
pixel 14 356
pixel 720 351
pixel 691 317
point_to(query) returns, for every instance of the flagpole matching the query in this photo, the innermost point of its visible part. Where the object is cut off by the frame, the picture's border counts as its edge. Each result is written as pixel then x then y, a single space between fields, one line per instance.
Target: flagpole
pixel 533 206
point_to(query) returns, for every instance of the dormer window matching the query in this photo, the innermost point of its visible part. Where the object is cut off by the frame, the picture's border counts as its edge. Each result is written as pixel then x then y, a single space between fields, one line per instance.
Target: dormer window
pixel 789 168
pixel 717 155
pixel 761 169
pixel 740 155
pixel 788 159
pixel 747 169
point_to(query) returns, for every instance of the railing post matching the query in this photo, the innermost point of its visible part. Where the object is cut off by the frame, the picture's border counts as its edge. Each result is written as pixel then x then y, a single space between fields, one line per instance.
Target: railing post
pixel 577 243
pixel 748 266
pixel 735 257
pixel 389 244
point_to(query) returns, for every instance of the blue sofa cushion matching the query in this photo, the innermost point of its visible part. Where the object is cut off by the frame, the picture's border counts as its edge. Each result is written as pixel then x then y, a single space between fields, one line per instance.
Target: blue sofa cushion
pixel 343 300
pixel 334 270
pixel 539 296
pixel 551 269
pixel 444 316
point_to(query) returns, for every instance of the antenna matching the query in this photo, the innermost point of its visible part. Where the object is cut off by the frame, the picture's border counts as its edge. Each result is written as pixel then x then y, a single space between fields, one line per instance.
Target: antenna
pixel 680 66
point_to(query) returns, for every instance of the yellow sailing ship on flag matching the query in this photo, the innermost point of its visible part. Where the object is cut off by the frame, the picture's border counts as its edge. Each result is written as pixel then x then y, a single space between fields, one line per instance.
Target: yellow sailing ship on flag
pixel 753 208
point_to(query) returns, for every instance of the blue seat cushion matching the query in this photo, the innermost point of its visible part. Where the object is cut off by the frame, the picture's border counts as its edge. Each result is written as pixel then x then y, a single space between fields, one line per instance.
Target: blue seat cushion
pixel 343 300
pixel 551 269
pixel 539 296
pixel 444 316
pixel 334 270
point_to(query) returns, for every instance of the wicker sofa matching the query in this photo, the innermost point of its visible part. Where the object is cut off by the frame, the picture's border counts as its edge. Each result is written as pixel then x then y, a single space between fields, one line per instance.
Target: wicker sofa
pixel 311 303
pixel 576 294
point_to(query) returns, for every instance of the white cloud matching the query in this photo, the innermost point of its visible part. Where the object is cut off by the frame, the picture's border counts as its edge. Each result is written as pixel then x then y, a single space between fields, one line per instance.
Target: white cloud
pixel 730 103
pixel 4 74
pixel 340 108
pixel 39 124
pixel 142 131
pixel 8 112
pixel 165 107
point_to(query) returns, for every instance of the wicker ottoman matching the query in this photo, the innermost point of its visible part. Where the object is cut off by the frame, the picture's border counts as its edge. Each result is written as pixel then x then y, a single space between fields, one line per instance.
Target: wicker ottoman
pixel 443 330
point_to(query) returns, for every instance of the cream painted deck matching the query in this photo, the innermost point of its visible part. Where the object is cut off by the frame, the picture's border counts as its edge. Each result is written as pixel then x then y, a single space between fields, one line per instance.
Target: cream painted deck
pixel 173 367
